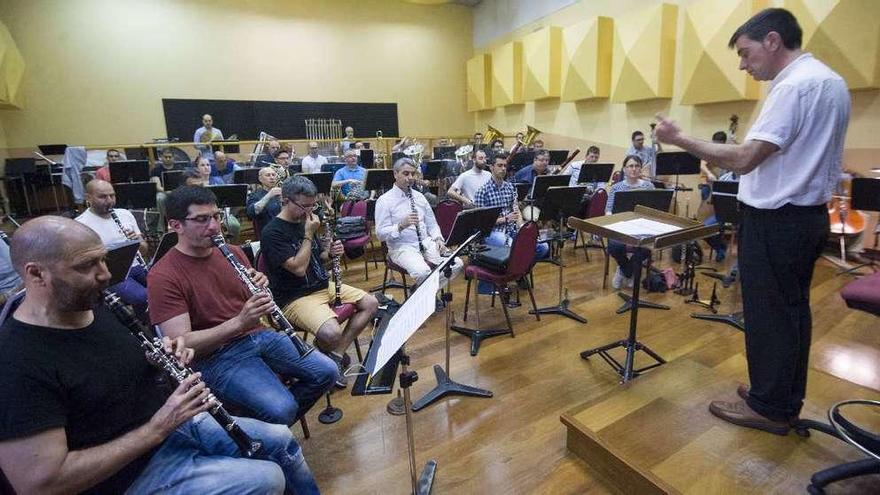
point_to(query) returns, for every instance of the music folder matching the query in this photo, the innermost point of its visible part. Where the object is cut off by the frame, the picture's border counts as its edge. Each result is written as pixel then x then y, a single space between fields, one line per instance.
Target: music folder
pixel 558 157
pixel 230 195
pixel 595 172
pixel 246 176
pixel 677 163
pixel 657 199
pixel 136 195
pixel 520 160
pixel 321 180
pixel 129 171
pixel 120 257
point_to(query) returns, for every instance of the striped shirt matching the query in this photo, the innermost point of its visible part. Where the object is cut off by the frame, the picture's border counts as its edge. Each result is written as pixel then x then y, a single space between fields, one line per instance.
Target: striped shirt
pixel 624 186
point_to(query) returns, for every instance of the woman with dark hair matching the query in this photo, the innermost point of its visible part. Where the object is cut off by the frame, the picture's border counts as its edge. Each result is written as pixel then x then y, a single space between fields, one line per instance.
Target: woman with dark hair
pixel 632 171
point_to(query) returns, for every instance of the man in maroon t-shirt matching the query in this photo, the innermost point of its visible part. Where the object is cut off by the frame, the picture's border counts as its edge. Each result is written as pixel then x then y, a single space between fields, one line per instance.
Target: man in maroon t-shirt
pixel 195 293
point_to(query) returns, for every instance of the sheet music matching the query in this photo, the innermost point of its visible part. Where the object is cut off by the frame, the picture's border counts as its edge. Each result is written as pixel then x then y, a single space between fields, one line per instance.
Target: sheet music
pixel 642 227
pixel 409 318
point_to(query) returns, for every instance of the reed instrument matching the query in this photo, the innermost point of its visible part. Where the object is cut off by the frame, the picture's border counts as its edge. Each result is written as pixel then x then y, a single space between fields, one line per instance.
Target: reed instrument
pixel 138 257
pixel 567 161
pixel 4 237
pixel 336 269
pixel 412 207
pixel 248 446
pixel 279 321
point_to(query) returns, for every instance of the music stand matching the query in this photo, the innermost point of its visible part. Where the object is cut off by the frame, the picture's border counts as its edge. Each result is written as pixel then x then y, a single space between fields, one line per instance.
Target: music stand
pixel 444 152
pixel 470 226
pixel 593 173
pixel 676 163
pixel 139 153
pixel 558 157
pixel 230 195
pixel 227 146
pixel 172 179
pixel 432 169
pixel 726 211
pixel 731 213
pixel 321 180
pixel 168 241
pixel 246 176
pixel 522 190
pixel 120 257
pixel 52 149
pixel 865 195
pixel 129 171
pixel 136 195
pixel 379 179
pixel 367 158
pixel 561 202
pixel 294 169
pixel 544 182
pixel 18 169
pixel 520 160
pixel 331 167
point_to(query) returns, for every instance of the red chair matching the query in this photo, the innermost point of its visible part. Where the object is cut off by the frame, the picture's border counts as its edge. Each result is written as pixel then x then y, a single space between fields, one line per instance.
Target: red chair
pixel 520 263
pixel 596 208
pixel 445 213
pixel 357 209
pixel 863 294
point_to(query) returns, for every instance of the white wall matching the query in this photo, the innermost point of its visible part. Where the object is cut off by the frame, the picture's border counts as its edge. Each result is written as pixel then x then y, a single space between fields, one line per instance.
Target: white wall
pixel 496 18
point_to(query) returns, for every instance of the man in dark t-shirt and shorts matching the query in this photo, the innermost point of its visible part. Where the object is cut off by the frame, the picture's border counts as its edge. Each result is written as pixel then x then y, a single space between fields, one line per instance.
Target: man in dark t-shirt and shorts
pixel 82 411
pixel 299 281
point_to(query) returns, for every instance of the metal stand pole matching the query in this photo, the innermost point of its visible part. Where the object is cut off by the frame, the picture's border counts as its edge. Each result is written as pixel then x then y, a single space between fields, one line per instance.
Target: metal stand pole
pixel 562 307
pixel 421 485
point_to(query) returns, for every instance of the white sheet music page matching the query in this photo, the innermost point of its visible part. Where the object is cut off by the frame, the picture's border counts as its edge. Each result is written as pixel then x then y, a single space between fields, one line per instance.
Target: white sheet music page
pixel 409 318
pixel 642 227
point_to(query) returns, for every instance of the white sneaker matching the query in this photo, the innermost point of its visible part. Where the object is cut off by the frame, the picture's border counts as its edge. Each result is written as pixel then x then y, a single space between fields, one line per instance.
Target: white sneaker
pixel 617 280
pixel 629 282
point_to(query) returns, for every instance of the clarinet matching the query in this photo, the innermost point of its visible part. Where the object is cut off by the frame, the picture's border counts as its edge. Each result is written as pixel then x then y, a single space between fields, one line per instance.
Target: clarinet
pixel 137 256
pixel 249 447
pixel 278 319
pixel 412 206
pixel 336 268
pixel 4 237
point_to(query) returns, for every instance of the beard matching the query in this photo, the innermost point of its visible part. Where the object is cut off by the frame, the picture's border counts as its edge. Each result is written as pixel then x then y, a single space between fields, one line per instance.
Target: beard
pixel 69 298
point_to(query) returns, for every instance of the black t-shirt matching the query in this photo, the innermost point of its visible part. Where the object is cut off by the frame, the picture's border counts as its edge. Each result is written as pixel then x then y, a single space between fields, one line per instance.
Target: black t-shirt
pixel 159 168
pixel 281 241
pixel 94 382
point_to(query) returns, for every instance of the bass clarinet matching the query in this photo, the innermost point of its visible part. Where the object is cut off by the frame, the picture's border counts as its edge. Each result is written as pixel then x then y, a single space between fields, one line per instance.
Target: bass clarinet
pixel 140 259
pixel 412 206
pixel 334 262
pixel 276 315
pixel 249 447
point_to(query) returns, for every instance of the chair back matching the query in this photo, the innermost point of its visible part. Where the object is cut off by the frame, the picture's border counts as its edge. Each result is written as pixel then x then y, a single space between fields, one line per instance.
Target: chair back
pixel 445 213
pixel 260 262
pixel 12 303
pixel 354 209
pixel 522 251
pixel 597 204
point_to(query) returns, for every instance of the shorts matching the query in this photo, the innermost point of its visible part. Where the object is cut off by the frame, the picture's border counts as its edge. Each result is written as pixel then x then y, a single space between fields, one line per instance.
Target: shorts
pixel 311 311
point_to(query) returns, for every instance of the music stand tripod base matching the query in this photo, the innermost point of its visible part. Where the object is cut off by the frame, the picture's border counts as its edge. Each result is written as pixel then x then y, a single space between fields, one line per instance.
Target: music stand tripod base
pixel 627 304
pixel 733 319
pixel 477 336
pixel 621 369
pixel 446 386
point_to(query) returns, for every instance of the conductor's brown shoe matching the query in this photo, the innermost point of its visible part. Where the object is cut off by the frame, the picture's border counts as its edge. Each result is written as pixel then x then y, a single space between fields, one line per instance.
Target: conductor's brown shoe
pixel 740 414
pixel 743 391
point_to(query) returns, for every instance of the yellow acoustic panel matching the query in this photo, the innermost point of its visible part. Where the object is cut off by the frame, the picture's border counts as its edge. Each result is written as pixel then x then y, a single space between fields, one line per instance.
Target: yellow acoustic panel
pixel 710 69
pixel 586 59
pixel 845 34
pixel 11 71
pixel 507 81
pixel 479 83
pixel 643 62
pixel 542 61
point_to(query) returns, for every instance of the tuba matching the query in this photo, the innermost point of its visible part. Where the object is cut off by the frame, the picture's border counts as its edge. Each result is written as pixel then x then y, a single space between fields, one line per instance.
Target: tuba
pixel 491 134
pixel 531 134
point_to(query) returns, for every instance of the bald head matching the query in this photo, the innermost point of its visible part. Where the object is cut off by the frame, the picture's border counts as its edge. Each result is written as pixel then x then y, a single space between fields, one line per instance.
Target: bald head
pixel 47 239
pixel 101 197
pixel 96 185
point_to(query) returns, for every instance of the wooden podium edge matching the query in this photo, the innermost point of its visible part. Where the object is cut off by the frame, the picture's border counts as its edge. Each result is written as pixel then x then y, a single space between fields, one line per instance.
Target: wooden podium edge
pixel 607 462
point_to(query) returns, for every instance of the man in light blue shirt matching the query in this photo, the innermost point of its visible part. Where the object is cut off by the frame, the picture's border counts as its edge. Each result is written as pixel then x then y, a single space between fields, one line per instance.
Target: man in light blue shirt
pixel 206 134
pixel 648 155
pixel 351 174
pixel 224 167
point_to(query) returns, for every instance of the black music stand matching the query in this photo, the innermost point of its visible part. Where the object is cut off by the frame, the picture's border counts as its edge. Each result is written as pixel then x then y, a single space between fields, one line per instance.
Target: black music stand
pixel 136 195
pixel 657 199
pixel 519 160
pixel 472 225
pixel 246 176
pixel 379 179
pixel 52 149
pixel 129 171
pixel 561 202
pixel 331 167
pixel 22 169
pixel 522 190
pixel 432 169
pixel 367 158
pixel 865 195
pixel 321 180
pixel 444 152
pixel 139 153
pixel 227 145
pixel 558 157
pixel 120 257
pixel 172 179
pixel 168 241
pixel 676 163
pixel 730 206
pixel 726 211
pixel 594 173
pixel 230 195
pixel 544 182
pixel 294 168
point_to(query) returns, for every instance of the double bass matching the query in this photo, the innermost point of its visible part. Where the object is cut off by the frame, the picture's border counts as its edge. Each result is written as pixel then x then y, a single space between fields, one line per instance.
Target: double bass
pixel 844 221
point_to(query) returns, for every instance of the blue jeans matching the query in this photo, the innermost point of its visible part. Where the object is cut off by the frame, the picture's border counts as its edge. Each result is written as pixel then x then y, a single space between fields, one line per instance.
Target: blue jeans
pixel 499 238
pixel 133 290
pixel 244 372
pixel 199 457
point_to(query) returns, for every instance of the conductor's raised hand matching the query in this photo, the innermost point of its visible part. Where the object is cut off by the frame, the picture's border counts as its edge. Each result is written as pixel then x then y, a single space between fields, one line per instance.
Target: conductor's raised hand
pixel 667 131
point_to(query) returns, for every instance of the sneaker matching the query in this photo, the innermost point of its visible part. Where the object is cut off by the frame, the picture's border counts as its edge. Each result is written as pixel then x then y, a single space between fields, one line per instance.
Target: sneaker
pixel 342 363
pixel 629 282
pixel 617 280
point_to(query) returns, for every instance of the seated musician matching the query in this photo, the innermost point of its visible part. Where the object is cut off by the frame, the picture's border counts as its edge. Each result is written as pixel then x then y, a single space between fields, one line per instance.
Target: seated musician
pixel 102 200
pixel 312 162
pixel 499 192
pixel 166 164
pixel 264 202
pixel 195 293
pixel 295 266
pixel 477 140
pixel 409 227
pixel 528 173
pixel 496 146
pixel 201 176
pixel 632 171
pixel 224 167
pixel 269 152
pixel 537 144
pixel 710 173
pixel 574 168
pixel 82 411
pixel 351 175
pixel 466 185
pixel 103 173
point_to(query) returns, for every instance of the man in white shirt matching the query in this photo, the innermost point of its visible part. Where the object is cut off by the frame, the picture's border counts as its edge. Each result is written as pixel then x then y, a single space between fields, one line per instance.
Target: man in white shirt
pixel 206 134
pixel 789 163
pixel 468 183
pixel 101 199
pixel 574 168
pixel 413 237
pixel 312 162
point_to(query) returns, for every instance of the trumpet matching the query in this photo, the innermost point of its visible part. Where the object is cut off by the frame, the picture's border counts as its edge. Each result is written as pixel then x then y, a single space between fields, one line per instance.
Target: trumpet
pixel 276 316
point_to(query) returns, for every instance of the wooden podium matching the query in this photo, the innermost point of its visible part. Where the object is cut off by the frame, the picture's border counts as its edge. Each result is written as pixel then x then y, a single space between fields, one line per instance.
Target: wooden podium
pixel 682 230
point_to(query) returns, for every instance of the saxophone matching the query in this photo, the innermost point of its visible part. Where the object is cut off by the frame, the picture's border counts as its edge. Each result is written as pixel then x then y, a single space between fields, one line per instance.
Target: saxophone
pixel 249 447
pixel 140 259
pixel 336 269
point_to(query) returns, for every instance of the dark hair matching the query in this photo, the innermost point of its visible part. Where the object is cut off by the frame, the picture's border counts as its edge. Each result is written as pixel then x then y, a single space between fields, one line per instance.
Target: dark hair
pixel 501 154
pixel 636 158
pixel 178 201
pixel 542 153
pixel 298 185
pixel 492 144
pixel 191 173
pixel 761 24
pixel 282 150
pixel 719 137
pixel 113 150
pixel 593 149
pixel 636 134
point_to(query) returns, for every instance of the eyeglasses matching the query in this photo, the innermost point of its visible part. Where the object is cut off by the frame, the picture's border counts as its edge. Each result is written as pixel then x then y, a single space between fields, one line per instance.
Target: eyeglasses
pixel 204 219
pixel 305 207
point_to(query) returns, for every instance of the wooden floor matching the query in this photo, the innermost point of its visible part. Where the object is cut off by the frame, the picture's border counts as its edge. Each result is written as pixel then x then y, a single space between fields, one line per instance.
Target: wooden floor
pixel 515 442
